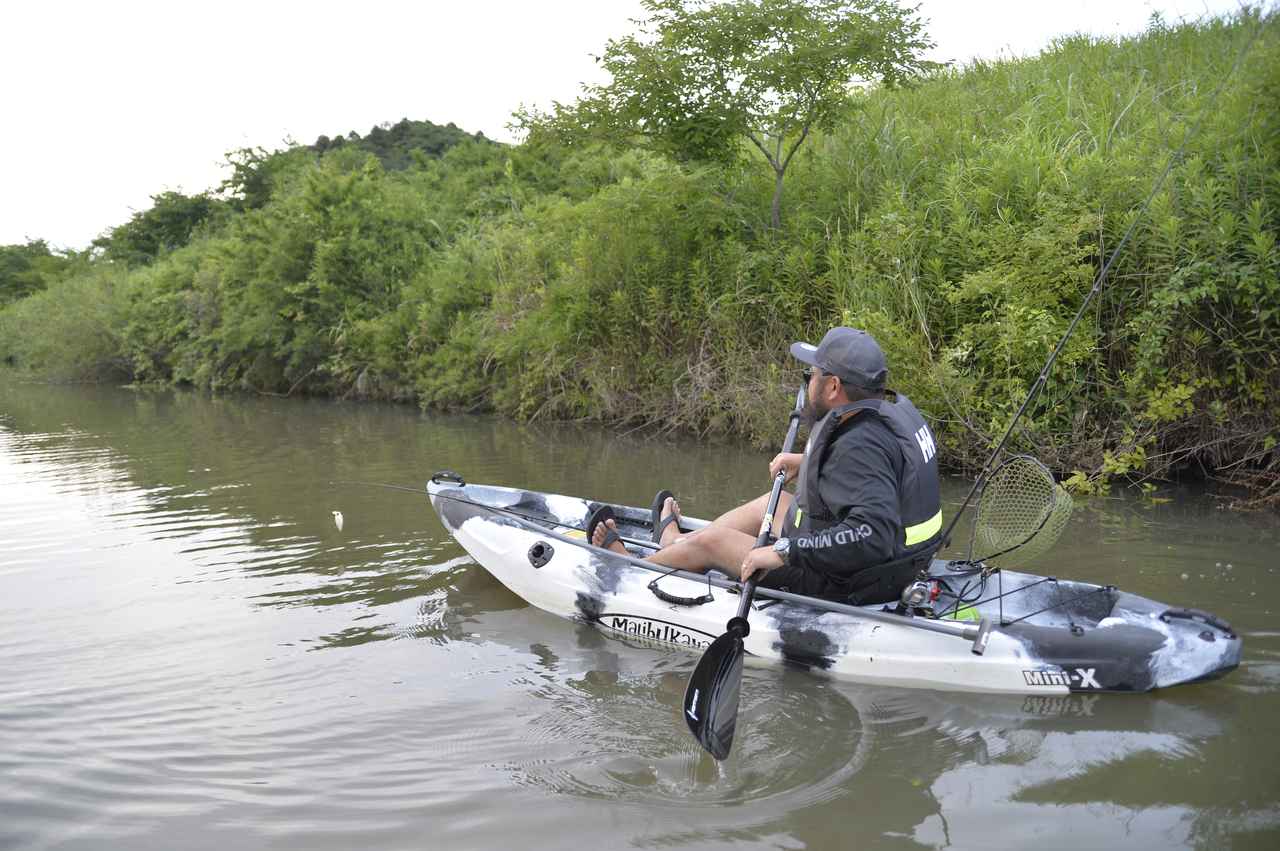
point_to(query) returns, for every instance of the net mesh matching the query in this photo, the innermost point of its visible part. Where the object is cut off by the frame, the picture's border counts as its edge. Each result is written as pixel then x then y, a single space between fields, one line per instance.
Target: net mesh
pixel 1021 513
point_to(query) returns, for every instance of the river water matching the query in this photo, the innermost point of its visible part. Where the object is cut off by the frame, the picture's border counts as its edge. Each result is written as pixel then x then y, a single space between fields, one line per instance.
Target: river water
pixel 193 655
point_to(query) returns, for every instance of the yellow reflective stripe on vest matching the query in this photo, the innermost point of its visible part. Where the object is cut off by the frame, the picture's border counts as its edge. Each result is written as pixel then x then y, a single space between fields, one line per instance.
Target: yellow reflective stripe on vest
pixel 922 532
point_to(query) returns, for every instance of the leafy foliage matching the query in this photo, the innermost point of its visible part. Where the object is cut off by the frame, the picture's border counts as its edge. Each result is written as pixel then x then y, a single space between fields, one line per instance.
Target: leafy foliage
pixel 167 225
pixel 961 221
pixel 396 145
pixel 73 329
pixel 257 174
pixel 27 269
pixel 702 76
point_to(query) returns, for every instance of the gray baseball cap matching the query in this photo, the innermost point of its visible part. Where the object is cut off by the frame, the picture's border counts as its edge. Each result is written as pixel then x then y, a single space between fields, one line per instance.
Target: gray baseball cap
pixel 851 354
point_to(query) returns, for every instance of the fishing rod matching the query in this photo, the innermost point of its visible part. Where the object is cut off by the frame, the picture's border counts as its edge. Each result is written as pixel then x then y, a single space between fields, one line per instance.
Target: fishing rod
pixel 1043 377
pixel 529 517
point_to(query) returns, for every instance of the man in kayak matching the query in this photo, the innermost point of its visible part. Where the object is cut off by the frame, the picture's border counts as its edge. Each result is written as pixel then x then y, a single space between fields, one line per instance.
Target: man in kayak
pixel 867 511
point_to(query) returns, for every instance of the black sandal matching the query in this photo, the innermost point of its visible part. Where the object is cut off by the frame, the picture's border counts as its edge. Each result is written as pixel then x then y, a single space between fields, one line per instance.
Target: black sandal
pixel 598 516
pixel 656 520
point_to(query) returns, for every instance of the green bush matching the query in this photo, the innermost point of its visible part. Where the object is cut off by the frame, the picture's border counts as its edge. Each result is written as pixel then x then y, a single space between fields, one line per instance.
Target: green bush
pixel 73 330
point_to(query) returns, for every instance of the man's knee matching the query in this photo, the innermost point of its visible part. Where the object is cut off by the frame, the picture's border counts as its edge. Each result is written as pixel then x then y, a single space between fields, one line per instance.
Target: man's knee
pixel 724 546
pixel 708 537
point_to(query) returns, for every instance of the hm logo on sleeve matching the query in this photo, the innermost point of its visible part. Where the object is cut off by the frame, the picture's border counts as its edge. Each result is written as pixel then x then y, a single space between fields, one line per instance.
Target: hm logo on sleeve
pixel 927 447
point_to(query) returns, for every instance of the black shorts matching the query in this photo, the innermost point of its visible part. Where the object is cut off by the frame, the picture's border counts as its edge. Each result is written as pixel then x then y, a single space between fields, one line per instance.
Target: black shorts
pixel 875 587
pixel 801 580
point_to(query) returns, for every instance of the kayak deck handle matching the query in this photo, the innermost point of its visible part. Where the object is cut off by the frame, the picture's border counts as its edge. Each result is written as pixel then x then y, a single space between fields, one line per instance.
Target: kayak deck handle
pixel 1198 616
pixel 447 476
pixel 679 601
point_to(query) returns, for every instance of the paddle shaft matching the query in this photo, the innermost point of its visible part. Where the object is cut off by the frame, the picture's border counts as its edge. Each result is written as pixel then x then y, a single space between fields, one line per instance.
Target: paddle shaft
pixel 739 623
pixel 711 698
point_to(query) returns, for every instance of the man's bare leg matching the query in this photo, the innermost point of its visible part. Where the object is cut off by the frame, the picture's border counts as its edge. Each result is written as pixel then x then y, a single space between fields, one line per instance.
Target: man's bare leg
pixel 726 541
pixel 722 545
pixel 746 518
pixel 714 546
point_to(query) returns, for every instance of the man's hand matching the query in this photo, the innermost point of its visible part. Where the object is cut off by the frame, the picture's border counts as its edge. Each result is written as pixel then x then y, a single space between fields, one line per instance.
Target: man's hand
pixel 760 560
pixel 789 461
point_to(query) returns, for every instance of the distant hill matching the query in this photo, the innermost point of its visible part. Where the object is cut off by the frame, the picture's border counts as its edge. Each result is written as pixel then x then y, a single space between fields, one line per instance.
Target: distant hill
pixel 394 144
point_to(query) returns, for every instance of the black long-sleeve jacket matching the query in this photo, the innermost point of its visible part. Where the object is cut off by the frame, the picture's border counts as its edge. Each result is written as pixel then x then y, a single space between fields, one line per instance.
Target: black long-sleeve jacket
pixel 858 480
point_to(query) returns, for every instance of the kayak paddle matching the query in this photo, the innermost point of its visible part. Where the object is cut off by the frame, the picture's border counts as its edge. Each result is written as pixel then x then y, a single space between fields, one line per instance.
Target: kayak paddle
pixel 711 698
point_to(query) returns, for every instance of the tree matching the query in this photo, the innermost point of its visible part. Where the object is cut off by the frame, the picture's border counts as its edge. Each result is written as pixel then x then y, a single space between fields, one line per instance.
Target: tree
pixel 29 268
pixel 257 173
pixel 395 144
pixel 166 226
pixel 700 76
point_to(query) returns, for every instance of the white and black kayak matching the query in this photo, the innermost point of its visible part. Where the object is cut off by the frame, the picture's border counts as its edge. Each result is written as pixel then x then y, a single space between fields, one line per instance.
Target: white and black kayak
pixel 1039 635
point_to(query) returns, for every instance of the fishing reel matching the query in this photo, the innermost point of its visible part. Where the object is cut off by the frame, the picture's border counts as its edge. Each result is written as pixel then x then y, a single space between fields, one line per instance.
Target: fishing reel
pixel 918 597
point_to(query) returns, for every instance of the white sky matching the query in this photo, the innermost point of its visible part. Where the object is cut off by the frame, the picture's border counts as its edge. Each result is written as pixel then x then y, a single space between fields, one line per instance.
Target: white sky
pixel 104 103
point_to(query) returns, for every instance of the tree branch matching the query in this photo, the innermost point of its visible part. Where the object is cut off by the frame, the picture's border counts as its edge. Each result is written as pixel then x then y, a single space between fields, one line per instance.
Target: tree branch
pixel 804 132
pixel 768 156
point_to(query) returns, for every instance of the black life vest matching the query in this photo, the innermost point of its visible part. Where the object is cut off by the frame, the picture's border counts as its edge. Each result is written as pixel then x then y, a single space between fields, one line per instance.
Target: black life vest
pixel 919 498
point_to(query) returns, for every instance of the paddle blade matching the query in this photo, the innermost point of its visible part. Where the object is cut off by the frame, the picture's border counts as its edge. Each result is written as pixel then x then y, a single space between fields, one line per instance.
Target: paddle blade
pixel 711 700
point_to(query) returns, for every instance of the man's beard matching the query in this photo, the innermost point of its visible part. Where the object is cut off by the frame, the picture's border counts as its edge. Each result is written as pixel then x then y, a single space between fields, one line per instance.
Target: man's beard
pixel 813 412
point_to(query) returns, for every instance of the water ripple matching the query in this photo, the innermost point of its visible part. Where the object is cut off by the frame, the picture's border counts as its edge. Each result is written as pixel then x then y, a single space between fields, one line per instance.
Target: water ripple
pixel 622 738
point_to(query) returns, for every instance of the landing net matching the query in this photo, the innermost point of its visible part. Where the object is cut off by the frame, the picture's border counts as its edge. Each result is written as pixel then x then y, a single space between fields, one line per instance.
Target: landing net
pixel 1021 508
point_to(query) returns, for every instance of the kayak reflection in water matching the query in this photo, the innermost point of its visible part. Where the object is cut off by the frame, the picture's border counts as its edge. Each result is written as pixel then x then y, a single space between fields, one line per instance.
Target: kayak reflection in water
pixel 867 512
